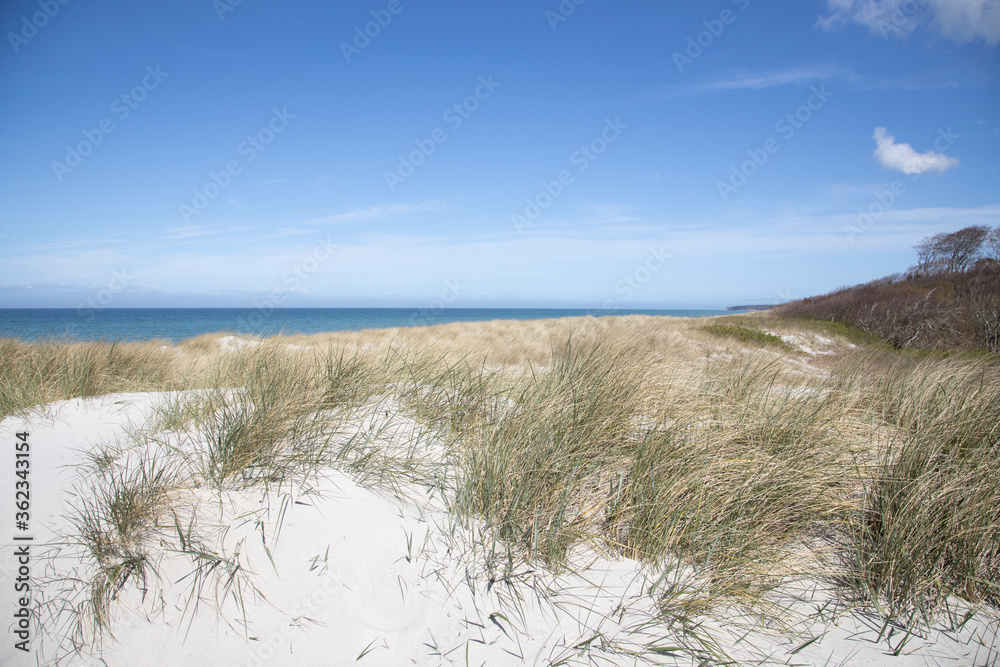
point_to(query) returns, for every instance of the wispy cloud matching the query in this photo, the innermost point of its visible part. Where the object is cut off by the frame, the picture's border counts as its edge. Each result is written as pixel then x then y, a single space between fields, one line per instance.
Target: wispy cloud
pixel 605 213
pixel 743 80
pixel 589 214
pixel 552 265
pixel 938 80
pixel 285 232
pixel 379 212
pixel 76 288
pixel 66 245
pixel 747 80
pixel 903 157
pixel 738 80
pixel 185 232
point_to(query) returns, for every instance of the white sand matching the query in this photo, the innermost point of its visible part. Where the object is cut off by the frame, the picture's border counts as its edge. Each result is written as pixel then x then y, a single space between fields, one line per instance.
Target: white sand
pixel 362 577
pixel 235 343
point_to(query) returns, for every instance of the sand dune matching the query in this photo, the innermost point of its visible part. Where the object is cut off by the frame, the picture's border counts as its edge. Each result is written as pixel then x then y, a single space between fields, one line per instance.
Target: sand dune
pixel 344 568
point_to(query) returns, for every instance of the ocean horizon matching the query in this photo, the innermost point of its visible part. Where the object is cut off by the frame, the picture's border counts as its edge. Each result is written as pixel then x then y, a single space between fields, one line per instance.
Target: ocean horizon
pixel 176 324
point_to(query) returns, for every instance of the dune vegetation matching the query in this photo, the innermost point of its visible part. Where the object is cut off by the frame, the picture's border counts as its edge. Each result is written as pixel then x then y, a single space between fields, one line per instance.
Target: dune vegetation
pixel 949 300
pixel 743 458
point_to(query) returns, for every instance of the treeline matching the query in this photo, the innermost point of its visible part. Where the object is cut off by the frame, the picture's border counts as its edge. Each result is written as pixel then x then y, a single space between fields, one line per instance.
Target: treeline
pixel 949 298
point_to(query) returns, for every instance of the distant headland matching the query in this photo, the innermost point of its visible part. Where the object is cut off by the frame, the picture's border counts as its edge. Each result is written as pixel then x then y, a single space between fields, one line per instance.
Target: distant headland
pixel 749 307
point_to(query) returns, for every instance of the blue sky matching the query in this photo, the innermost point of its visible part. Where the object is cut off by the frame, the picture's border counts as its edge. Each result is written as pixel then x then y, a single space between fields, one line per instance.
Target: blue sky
pixel 617 155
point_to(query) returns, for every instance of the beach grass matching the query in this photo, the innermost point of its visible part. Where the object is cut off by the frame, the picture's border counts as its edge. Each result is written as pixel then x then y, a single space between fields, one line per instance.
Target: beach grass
pixel 33 374
pixel 114 518
pixel 930 525
pixel 537 470
pixel 874 471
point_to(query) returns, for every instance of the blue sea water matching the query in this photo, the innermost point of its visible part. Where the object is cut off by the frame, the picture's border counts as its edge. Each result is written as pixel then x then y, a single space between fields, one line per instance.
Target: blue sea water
pixel 174 324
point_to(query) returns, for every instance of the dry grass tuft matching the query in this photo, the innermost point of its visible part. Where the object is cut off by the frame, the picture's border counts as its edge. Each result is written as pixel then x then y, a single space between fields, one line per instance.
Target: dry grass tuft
pixel 930 527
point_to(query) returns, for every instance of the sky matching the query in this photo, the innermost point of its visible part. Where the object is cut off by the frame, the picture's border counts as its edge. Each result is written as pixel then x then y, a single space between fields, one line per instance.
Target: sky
pixel 573 153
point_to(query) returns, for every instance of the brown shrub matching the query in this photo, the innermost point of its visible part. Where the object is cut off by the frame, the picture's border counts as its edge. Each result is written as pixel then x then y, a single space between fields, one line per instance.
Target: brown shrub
pixel 941 310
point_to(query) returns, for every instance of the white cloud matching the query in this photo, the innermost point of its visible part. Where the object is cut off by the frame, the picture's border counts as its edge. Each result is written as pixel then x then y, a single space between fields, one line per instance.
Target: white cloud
pixel 969 20
pixel 959 20
pixel 902 157
pixel 886 17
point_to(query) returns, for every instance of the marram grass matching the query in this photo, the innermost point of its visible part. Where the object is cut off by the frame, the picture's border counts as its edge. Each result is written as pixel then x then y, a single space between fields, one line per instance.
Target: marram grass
pixel 32 374
pixel 871 469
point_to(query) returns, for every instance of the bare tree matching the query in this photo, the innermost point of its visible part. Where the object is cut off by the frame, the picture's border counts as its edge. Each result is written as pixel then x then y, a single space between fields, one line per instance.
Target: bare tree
pixel 929 259
pixel 962 247
pixel 991 247
pixel 952 252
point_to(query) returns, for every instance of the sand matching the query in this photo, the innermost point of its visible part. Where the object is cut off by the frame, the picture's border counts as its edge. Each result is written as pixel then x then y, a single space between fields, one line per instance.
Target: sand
pixel 356 575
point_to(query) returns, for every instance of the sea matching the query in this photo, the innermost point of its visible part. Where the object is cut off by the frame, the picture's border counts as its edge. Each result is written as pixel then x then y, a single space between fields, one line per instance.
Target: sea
pixel 175 324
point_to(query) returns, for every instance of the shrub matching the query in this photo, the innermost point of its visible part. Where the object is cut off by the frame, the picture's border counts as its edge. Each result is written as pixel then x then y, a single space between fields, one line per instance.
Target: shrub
pixel 746 335
pixel 943 310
